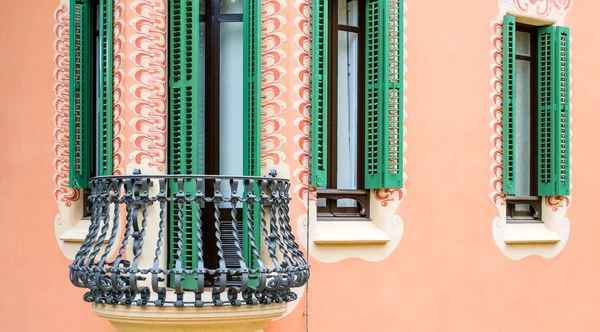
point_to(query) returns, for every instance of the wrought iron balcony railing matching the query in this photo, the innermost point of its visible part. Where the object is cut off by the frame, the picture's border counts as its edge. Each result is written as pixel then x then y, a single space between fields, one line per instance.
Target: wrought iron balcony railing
pixel 189 240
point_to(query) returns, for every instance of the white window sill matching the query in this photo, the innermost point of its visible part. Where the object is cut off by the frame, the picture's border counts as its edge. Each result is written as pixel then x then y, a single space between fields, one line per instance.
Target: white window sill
pixel 529 233
pixel 78 233
pixel 349 233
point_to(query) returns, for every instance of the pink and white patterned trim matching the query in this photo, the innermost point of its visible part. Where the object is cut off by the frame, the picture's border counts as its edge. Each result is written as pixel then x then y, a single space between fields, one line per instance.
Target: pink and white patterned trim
pixel 272 88
pixel 149 83
pixel 118 87
pixel 302 100
pixel 543 8
pixel 62 192
pixel 496 110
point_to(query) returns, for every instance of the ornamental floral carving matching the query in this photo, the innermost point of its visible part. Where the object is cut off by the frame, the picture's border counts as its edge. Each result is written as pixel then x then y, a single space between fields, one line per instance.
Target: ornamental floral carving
pixel 543 8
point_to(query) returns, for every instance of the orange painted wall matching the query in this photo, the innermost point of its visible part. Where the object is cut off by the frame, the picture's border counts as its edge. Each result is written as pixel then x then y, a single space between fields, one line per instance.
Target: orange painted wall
pixel 447 274
pixel 37 293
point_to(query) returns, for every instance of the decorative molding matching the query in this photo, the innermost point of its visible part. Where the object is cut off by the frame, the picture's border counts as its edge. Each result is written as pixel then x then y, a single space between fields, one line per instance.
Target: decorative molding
pixel 557 202
pixel 272 88
pixel 149 83
pixel 543 8
pixel 496 110
pixel 62 193
pixel 385 196
pixel 302 102
pixel 118 87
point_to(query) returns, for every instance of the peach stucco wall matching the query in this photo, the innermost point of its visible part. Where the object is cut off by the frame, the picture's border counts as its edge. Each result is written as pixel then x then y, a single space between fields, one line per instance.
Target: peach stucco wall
pixel 37 293
pixel 446 274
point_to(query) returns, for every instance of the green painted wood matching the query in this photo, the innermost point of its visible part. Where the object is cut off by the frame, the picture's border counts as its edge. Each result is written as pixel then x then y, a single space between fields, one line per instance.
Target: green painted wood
pixel 375 27
pixel 546 110
pixel 561 85
pixel 508 104
pixel 80 93
pixel 105 116
pixel 252 116
pixel 319 93
pixel 392 128
pixel 384 95
pixel 184 147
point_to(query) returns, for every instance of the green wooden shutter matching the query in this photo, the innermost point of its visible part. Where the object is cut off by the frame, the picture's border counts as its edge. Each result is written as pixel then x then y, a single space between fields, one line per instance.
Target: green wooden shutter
pixel 81 93
pixel 384 96
pixel 252 113
pixel 105 116
pixel 562 115
pixel 553 111
pixel 184 103
pixel 545 105
pixel 508 104
pixel 319 93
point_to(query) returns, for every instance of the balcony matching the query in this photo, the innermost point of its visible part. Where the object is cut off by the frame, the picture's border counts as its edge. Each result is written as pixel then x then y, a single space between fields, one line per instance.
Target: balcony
pixel 196 252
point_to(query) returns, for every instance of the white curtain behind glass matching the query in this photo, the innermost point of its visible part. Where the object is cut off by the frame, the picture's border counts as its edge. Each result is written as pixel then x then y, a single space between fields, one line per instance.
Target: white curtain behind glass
pixel 523 118
pixel 347 101
pixel 230 99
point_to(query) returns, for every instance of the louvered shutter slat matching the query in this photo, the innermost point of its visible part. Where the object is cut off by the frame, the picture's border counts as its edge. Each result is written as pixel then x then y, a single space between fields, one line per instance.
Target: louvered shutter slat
pixel 372 99
pixel 319 93
pixel 562 115
pixel 393 93
pixel 105 116
pixel 80 94
pixel 508 104
pixel 184 105
pixel 252 116
pixel 384 95
pixel 546 101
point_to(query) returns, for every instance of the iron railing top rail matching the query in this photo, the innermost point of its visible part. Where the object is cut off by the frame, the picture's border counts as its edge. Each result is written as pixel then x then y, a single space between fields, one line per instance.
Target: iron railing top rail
pixel 189 240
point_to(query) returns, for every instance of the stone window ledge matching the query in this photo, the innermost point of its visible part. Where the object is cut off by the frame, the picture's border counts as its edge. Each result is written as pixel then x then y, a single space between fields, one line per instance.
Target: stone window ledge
pixel 529 233
pixel 349 232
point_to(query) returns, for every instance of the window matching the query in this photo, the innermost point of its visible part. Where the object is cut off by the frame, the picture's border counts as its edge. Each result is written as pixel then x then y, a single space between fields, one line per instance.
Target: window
pixel 357 103
pixel 214 110
pixel 535 117
pixel 90 104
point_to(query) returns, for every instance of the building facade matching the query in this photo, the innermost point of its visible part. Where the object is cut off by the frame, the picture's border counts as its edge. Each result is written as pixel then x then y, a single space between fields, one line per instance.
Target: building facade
pixel 440 157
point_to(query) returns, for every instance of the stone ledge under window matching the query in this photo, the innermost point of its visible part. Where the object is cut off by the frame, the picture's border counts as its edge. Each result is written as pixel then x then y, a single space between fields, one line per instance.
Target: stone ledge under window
pixel 349 233
pixel 78 233
pixel 245 318
pixel 529 233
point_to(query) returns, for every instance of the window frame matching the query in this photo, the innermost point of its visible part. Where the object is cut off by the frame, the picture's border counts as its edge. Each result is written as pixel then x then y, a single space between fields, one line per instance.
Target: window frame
pixel 331 193
pixel 533 200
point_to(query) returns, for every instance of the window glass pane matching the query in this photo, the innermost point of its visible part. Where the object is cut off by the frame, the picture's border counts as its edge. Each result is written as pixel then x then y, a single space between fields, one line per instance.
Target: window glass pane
pixel 523 129
pixel 523 43
pixel 347 110
pixel 321 202
pixel 348 12
pixel 202 7
pixel 230 100
pixel 232 7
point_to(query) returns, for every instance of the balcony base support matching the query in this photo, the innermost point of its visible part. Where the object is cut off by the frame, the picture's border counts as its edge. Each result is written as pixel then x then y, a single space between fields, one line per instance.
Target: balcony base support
pixel 245 318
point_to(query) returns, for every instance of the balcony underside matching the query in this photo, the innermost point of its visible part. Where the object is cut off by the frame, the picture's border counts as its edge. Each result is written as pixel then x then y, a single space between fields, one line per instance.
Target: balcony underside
pixel 190 319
